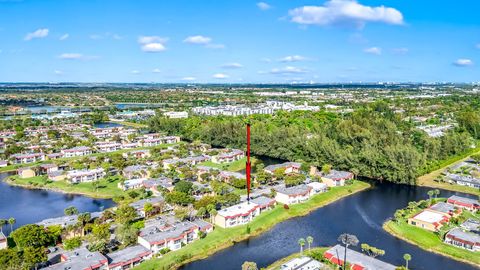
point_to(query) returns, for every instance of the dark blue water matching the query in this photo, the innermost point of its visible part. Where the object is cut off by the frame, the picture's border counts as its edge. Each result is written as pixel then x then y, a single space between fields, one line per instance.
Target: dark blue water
pixel 107 125
pixel 30 206
pixel 361 214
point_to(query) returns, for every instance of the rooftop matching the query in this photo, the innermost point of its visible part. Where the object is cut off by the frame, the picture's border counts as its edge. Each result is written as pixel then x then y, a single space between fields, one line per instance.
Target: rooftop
pixel 295 190
pixel 126 255
pixel 80 258
pixel 429 217
pixel 302 263
pixel 443 207
pixel 359 259
pixel 459 234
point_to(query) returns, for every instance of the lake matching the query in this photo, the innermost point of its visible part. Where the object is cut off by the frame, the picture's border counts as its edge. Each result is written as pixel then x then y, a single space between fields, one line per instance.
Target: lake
pixel 31 206
pixel 361 214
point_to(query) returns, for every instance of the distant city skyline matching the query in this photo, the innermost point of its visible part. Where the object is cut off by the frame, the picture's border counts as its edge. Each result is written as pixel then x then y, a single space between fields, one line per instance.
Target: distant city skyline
pixel 239 41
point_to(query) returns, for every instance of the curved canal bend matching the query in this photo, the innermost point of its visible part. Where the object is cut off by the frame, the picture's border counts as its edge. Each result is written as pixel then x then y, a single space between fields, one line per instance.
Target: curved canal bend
pixel 34 205
pixel 361 214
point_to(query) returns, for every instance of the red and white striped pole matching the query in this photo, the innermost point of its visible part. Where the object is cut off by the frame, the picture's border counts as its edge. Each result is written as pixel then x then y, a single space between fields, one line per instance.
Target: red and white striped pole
pixel 248 165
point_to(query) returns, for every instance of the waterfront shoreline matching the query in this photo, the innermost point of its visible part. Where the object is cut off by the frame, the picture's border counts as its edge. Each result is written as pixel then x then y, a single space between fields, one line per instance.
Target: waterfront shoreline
pixel 225 238
pixel 387 226
pixel 10 182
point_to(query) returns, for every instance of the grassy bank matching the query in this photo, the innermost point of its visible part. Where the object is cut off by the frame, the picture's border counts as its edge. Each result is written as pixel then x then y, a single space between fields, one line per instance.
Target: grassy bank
pixel 130 124
pixel 235 166
pixel 106 189
pixel 318 250
pixel 222 238
pixel 428 179
pixel 429 241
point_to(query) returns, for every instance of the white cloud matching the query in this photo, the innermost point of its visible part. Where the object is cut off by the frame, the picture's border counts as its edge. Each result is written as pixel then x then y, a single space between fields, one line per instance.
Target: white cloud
pixel 373 50
pixel 232 65
pixel 293 58
pixel 135 72
pixel 400 50
pixel 152 43
pixel 189 79
pixel 263 6
pixel 220 76
pixel 201 40
pixel 70 56
pixel 287 70
pixel 65 36
pixel 39 33
pixel 58 72
pixel 156 70
pixel 462 62
pixel 345 12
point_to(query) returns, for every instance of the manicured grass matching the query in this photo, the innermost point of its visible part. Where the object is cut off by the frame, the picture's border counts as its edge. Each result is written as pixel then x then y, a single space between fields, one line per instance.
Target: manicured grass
pixel 276 265
pixel 130 124
pixel 106 189
pixel 430 241
pixel 235 166
pixel 221 238
pixel 428 179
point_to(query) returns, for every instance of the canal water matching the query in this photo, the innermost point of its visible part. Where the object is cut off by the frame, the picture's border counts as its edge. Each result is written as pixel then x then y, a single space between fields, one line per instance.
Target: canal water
pixel 361 214
pixel 31 206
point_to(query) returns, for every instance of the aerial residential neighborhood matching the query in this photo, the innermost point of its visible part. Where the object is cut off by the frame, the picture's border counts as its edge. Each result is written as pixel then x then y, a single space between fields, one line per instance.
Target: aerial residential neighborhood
pixel 240 134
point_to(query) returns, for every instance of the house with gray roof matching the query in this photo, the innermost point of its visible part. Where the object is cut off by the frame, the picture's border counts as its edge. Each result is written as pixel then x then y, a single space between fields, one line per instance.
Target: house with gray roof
pixel 356 259
pixel 463 239
pixel 80 259
pixel 293 195
pixel 128 258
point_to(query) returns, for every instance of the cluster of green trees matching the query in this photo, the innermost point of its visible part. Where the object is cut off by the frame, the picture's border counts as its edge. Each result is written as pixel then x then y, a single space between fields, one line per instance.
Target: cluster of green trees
pixel 372 142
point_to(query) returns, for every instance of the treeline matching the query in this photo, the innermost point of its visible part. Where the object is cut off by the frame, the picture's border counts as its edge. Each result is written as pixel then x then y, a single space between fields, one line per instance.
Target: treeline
pixel 372 142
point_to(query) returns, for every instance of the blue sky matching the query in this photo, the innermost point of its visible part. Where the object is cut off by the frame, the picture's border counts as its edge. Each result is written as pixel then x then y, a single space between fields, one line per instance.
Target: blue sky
pixel 239 41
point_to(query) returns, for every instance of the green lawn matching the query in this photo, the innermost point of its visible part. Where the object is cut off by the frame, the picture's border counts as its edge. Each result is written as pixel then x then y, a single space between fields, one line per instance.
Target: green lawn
pixel 231 166
pixel 221 238
pixel 428 179
pixel 106 189
pixel 430 241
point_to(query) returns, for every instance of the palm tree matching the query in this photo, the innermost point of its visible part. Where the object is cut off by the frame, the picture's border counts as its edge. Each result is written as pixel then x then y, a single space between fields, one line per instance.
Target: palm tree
pixel 3 222
pixel 347 240
pixel 407 257
pixel 301 242
pixel 213 213
pixel 11 221
pixel 436 192
pixel 309 241
pixel 430 194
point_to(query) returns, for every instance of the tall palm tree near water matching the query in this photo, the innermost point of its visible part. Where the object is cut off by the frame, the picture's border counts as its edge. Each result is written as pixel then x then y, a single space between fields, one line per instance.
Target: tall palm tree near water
pixel 309 241
pixel 301 242
pixel 347 240
pixel 12 222
pixel 407 257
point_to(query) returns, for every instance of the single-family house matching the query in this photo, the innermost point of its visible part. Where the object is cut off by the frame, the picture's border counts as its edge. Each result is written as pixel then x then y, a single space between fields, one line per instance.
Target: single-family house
pixel 27 158
pixel 464 203
pixel 336 178
pixel 463 239
pixel 82 259
pixel 356 260
pixel 76 151
pixel 85 175
pixel 47 168
pixel 128 258
pixel 229 156
pixel 26 172
pixel 136 171
pixel 289 167
pixel 302 263
pixel 161 234
pixel 242 213
pixel 131 183
pixel 429 220
pixel 137 154
pixel 293 195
